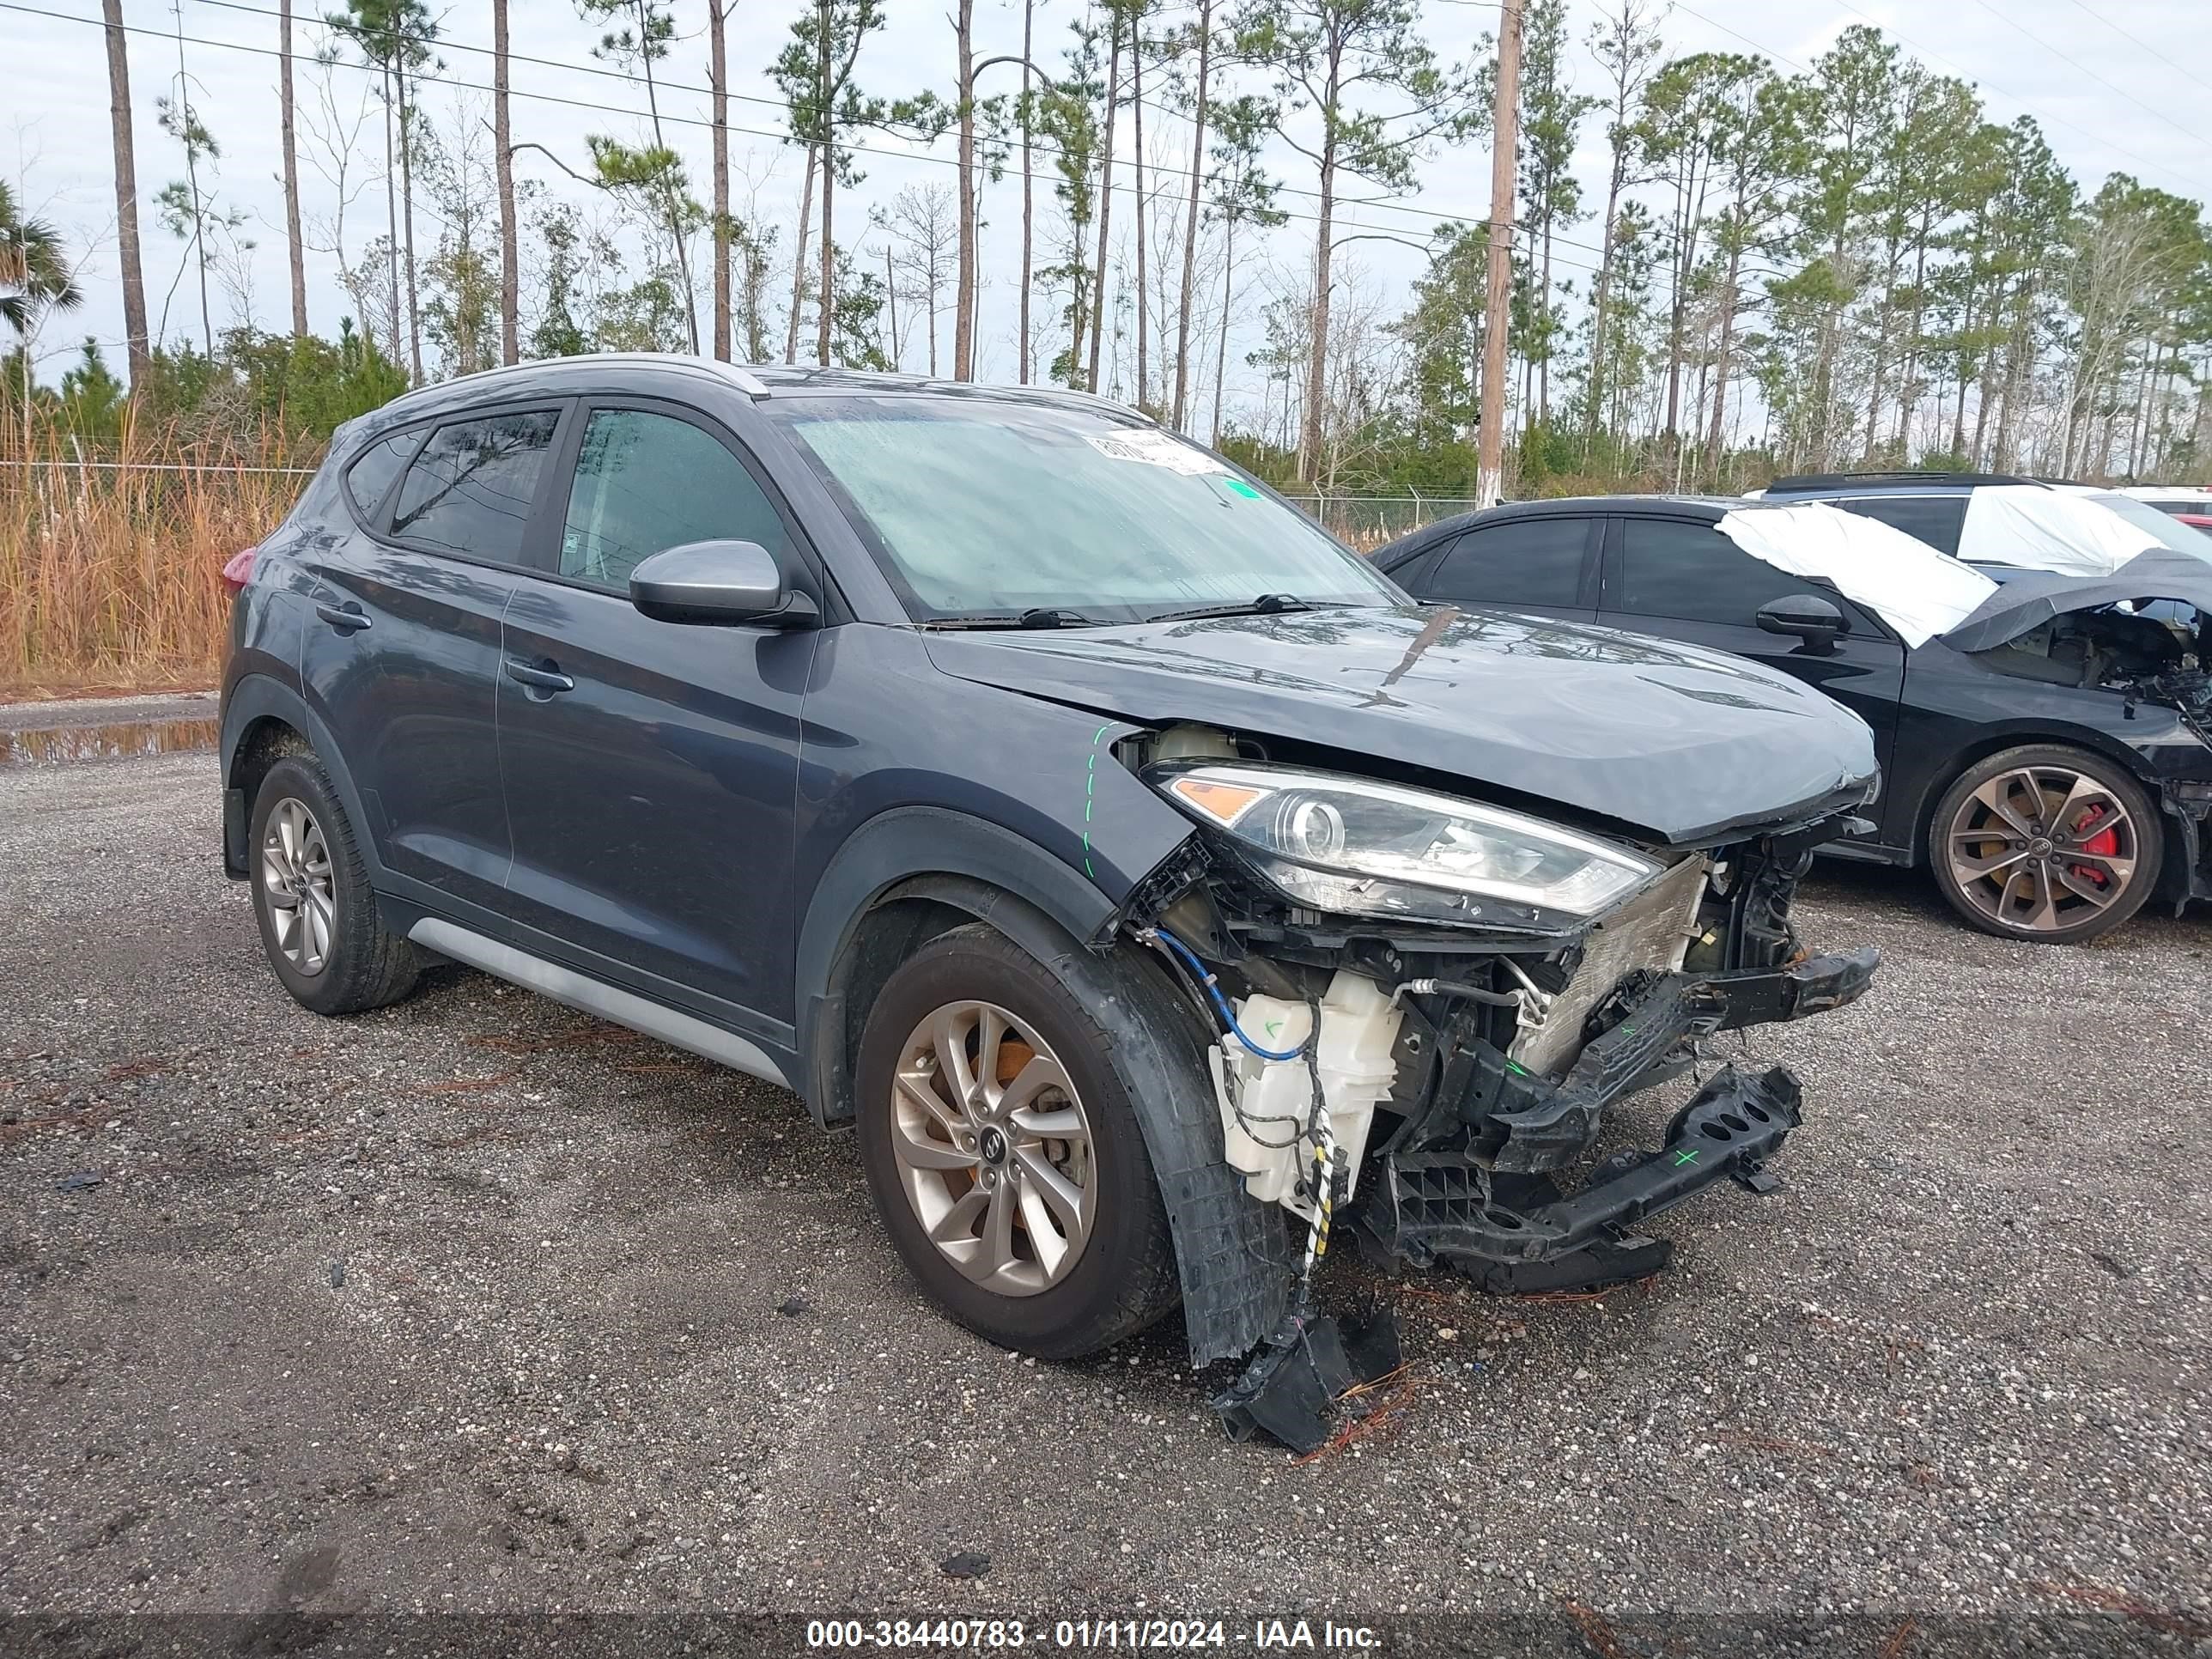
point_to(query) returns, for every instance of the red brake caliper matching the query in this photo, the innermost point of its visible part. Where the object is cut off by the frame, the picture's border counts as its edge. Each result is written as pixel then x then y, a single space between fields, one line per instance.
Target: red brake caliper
pixel 2105 844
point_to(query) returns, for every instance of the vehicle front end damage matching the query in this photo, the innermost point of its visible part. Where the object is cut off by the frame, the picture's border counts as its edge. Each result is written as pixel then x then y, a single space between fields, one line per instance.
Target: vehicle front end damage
pixel 1426 1008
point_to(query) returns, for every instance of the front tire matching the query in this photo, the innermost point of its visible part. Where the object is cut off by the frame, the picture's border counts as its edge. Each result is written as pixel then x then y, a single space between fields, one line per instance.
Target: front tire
pixel 2045 842
pixel 318 920
pixel 1004 1153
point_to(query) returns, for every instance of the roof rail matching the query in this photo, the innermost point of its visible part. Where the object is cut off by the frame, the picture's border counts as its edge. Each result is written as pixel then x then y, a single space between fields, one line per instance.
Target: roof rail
pixel 1899 475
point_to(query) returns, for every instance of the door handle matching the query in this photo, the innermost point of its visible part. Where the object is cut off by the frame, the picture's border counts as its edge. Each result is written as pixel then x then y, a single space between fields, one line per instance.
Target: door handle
pixel 346 619
pixel 543 679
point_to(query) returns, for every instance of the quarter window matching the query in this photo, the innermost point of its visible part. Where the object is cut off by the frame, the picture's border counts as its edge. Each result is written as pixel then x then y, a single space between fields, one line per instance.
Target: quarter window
pixel 469 490
pixel 372 473
pixel 1692 572
pixel 646 483
pixel 1523 561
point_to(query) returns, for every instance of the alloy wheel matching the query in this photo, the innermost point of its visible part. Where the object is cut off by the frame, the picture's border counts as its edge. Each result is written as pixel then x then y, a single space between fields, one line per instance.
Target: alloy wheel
pixel 994 1148
pixel 298 887
pixel 2042 848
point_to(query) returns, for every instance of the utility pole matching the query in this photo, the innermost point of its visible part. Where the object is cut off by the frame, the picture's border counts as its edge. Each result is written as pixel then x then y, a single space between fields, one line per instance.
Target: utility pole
pixel 1498 305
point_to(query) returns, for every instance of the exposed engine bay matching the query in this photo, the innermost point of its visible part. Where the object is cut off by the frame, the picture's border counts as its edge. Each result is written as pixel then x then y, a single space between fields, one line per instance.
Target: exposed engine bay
pixel 2161 653
pixel 1425 1065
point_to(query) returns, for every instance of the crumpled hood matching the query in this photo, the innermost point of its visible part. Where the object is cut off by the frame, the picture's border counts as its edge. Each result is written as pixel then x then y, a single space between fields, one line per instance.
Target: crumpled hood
pixel 2026 603
pixel 1684 743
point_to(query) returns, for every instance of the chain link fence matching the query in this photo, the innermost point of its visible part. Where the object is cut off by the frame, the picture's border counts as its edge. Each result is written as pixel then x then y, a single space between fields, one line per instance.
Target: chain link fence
pixel 1368 521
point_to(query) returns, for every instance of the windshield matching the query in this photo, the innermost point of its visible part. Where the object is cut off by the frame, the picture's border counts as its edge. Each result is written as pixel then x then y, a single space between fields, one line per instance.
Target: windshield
pixel 2162 530
pixel 985 509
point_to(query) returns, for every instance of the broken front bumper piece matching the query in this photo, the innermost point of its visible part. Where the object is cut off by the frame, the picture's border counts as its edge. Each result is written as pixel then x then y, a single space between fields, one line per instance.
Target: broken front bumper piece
pixel 1467 1183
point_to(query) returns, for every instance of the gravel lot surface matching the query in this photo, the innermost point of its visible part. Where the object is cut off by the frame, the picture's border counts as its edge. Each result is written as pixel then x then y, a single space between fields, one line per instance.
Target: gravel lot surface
pixel 474 1304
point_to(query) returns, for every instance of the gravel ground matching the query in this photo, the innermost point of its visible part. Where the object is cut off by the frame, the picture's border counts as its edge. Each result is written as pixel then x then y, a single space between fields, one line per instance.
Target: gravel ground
pixel 475 1304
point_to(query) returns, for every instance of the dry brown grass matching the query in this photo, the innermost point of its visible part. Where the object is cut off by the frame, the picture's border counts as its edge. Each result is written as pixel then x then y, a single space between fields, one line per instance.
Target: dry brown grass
pixel 111 574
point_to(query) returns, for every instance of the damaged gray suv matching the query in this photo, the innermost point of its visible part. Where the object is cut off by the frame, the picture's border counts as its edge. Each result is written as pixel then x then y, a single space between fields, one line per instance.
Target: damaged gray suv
pixel 1150 883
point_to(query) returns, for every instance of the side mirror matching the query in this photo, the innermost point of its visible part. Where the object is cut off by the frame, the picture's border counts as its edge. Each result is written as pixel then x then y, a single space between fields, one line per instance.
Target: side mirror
pixel 721 582
pixel 1813 619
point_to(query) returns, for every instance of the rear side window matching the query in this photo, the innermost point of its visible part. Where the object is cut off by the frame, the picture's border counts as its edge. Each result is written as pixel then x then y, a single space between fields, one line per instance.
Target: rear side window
pixel 1524 562
pixel 1934 519
pixel 646 483
pixel 1692 572
pixel 372 471
pixel 469 490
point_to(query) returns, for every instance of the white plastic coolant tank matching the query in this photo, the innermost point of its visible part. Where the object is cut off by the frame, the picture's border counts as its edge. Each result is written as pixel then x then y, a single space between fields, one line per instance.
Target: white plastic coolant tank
pixel 1359 1031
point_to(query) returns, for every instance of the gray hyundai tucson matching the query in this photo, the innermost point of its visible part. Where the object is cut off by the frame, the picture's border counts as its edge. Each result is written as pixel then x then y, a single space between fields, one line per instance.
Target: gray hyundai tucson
pixel 1149 883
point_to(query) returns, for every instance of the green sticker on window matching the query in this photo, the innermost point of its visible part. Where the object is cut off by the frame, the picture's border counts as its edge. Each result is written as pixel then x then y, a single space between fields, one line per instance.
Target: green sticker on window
pixel 1239 487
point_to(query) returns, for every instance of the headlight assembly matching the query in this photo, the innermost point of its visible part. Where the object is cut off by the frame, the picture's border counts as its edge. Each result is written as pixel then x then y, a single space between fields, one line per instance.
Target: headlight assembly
pixel 1346 844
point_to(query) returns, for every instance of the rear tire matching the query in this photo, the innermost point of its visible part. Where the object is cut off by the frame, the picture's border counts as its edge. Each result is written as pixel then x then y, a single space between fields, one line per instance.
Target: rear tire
pixel 319 920
pixel 2045 842
pixel 987 1094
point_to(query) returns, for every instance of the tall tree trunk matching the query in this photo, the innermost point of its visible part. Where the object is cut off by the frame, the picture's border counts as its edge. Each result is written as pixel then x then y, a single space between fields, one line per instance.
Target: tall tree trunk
pixel 1028 20
pixel 510 255
pixel 890 304
pixel 1105 198
pixel 1190 221
pixel 1221 342
pixel 1137 119
pixel 295 253
pixel 1725 342
pixel 1602 300
pixel 798 260
pixel 825 302
pixel 407 223
pixel 670 205
pixel 1317 389
pixel 392 217
pixel 136 344
pixel 1544 325
pixel 963 279
pixel 717 16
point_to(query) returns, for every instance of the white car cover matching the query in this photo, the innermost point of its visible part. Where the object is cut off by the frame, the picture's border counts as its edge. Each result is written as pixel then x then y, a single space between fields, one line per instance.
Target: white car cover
pixel 2056 529
pixel 1917 591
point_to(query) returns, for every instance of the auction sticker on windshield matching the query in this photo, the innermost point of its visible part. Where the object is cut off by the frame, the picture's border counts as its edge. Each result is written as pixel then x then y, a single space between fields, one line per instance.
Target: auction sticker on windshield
pixel 1155 449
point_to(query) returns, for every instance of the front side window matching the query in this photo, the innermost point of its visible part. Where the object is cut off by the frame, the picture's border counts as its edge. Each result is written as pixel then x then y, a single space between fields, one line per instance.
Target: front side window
pixel 646 483
pixel 1523 561
pixel 1692 572
pixel 469 490
pixel 979 509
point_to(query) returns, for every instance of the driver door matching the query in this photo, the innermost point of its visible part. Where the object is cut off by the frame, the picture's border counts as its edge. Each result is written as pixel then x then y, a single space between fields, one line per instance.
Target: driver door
pixel 650 767
pixel 1680 578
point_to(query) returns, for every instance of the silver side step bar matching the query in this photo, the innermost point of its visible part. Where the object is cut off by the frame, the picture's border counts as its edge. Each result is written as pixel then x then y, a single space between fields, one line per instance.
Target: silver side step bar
pixel 592 996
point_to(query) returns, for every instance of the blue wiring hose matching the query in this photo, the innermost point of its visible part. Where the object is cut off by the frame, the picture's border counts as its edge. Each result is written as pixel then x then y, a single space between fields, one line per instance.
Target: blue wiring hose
pixel 1220 1002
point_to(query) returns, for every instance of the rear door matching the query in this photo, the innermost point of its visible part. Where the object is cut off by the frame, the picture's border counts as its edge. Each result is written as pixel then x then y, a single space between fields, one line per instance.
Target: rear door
pixel 1680 578
pixel 401 657
pixel 650 767
pixel 1543 566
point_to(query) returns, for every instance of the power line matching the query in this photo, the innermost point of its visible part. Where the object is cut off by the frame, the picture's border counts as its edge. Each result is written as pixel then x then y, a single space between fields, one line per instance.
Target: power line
pixel 458 84
pixel 2075 63
pixel 631 77
pixel 2056 120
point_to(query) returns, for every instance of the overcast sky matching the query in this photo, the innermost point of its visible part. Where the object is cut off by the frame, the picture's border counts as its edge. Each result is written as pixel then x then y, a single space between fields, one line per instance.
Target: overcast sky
pixel 2118 85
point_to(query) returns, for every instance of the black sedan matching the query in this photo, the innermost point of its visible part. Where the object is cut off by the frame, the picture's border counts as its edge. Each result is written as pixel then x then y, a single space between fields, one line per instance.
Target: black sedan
pixel 2056 776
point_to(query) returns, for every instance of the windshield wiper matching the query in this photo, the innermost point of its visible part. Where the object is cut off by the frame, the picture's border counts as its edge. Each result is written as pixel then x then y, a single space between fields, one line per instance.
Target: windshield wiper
pixel 1040 617
pixel 1267 604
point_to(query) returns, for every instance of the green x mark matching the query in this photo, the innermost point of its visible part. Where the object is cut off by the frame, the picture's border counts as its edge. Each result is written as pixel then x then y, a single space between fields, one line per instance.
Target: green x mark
pixel 1687 1155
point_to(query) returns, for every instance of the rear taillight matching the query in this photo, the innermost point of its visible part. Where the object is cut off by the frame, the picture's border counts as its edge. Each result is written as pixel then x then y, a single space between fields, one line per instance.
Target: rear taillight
pixel 240 570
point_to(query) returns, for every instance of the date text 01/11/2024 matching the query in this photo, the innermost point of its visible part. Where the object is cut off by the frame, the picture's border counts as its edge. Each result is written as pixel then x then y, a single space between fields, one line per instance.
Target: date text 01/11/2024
pixel 982 1635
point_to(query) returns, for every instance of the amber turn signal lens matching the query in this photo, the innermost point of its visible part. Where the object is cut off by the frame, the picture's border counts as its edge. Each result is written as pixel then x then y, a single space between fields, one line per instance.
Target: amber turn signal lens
pixel 1224 803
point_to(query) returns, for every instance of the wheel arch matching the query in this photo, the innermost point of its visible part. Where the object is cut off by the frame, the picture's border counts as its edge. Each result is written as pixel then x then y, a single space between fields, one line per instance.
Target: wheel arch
pixel 263 720
pixel 1988 743
pixel 873 909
